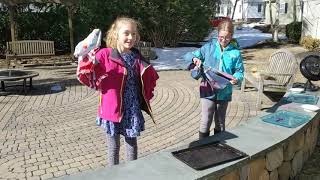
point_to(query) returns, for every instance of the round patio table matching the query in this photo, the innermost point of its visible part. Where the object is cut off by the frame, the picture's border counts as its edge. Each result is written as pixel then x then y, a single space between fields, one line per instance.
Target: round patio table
pixel 16 75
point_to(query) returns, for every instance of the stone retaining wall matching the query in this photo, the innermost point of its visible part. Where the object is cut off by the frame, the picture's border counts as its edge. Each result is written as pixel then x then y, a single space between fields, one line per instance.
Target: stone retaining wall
pixel 283 161
pixel 274 153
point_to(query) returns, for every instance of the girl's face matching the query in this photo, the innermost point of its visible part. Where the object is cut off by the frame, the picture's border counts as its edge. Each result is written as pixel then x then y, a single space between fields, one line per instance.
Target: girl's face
pixel 224 38
pixel 127 36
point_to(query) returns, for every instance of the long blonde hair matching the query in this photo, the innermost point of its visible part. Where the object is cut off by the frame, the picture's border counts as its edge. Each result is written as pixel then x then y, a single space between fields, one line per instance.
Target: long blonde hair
pixel 112 34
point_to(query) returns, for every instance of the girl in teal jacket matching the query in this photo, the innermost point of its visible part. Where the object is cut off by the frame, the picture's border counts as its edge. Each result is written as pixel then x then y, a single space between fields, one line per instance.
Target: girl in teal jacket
pixel 224 55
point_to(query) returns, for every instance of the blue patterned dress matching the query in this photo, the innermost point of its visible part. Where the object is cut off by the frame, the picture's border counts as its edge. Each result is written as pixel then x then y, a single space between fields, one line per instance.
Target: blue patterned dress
pixel 132 122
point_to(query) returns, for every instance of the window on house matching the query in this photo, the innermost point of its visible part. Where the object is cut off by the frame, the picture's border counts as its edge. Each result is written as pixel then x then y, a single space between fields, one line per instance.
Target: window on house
pixel 221 10
pixel 259 8
pixel 228 11
pixel 240 7
pixel 283 8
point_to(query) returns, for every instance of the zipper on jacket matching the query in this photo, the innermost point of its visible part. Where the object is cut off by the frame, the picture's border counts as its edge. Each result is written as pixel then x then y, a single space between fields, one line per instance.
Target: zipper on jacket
pixel 100 102
pixel 121 92
pixel 221 54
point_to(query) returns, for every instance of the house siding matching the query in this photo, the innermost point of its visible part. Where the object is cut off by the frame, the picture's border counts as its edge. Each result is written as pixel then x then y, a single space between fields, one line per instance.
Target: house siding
pixel 286 11
pixel 311 19
pixel 252 10
pixel 246 10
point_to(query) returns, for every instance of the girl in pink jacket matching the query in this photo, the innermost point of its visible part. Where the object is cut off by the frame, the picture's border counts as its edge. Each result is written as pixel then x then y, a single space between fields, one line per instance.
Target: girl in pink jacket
pixel 126 83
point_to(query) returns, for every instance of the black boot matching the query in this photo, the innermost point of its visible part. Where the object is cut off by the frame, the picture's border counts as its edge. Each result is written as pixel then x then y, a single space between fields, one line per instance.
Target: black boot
pixel 216 131
pixel 203 135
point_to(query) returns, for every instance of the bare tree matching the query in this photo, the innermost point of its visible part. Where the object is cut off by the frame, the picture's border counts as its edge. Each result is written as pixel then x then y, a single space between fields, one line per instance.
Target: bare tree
pixel 275 24
pixel 296 4
pixel 294 11
pixel 234 8
pixel 270 14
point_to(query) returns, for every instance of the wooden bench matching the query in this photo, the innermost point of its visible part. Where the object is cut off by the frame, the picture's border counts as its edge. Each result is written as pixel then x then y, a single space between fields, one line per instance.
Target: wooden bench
pixel 29 49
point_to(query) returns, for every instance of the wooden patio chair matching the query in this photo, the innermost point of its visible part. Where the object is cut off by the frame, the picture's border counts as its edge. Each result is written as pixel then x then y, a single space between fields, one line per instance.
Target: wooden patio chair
pixel 278 76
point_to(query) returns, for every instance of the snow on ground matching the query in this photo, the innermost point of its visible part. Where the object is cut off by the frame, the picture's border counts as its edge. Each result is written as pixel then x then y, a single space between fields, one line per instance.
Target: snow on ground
pixel 172 58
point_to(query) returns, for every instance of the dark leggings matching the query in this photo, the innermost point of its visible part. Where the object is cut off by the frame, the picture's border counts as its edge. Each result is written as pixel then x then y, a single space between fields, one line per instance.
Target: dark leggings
pixel 210 108
pixel 114 148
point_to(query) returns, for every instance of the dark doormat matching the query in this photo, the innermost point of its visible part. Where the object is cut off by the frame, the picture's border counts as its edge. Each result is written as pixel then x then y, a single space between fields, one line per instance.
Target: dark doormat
pixel 208 155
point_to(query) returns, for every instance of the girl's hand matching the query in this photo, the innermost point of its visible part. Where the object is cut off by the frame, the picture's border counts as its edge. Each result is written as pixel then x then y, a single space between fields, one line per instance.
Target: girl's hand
pixel 234 81
pixel 196 61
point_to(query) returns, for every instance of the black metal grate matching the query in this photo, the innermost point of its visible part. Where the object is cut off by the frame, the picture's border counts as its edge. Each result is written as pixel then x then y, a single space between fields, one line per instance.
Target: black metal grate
pixel 209 155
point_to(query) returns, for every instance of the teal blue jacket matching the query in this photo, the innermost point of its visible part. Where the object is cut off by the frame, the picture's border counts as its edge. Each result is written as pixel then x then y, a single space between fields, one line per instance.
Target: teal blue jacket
pixel 229 60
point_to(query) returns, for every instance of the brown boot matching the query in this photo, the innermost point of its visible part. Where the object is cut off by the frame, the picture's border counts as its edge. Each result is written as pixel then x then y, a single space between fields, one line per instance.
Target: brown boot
pixel 203 135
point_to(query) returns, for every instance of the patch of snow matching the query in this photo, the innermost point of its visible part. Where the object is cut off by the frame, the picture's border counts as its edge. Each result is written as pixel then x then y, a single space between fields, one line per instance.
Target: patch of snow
pixel 172 58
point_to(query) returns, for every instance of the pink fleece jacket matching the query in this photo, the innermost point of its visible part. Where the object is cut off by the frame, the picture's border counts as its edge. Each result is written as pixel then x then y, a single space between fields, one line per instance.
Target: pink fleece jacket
pixel 109 77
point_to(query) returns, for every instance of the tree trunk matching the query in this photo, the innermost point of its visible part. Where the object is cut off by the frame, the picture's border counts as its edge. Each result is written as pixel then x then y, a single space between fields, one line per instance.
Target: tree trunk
pixel 234 9
pixel 70 17
pixel 271 20
pixel 13 22
pixel 276 23
pixel 275 36
pixel 294 11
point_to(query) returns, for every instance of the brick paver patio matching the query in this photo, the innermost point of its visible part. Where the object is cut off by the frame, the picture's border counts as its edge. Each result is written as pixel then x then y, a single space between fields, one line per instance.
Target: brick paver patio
pixel 48 134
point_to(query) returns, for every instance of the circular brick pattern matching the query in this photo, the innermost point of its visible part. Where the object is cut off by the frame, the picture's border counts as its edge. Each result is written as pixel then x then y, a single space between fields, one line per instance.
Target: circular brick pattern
pixel 49 134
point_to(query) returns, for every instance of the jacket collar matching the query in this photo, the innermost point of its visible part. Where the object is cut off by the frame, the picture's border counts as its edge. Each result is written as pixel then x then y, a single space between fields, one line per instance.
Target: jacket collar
pixel 116 57
pixel 232 45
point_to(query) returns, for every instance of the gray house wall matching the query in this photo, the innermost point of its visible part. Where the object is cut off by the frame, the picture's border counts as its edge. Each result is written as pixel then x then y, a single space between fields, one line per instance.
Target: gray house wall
pixel 286 11
pixel 311 18
pixel 246 10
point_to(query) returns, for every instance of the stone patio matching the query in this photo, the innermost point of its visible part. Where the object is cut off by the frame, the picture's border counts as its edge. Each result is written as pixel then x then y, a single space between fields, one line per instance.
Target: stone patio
pixel 46 133
pixel 51 132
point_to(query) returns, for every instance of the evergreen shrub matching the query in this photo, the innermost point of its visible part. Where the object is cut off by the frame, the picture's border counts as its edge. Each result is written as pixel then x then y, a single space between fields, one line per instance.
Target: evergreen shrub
pixel 293 31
